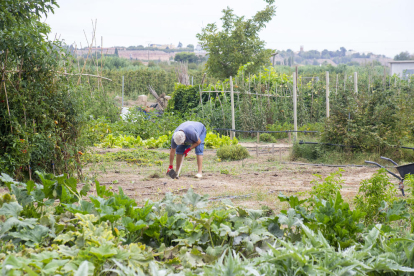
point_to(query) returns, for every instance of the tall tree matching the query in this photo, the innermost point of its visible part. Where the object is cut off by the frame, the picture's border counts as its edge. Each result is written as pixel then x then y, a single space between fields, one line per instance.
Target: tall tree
pixel 39 112
pixel 403 56
pixel 237 43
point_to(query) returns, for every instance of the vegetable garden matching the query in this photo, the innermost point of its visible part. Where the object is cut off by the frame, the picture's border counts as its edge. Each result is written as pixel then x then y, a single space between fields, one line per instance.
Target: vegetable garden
pixel 83 192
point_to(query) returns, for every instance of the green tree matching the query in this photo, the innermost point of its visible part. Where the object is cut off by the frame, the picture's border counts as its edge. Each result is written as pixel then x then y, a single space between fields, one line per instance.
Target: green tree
pixel 116 52
pixel 237 43
pixel 403 56
pixel 40 111
pixel 191 46
pixel 186 57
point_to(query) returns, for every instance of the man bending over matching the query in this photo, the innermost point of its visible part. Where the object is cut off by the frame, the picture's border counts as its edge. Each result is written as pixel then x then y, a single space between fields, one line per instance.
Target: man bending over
pixel 187 136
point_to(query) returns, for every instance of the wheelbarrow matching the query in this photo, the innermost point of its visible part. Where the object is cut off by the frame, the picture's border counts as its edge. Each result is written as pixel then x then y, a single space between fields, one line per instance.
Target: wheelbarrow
pixel 402 170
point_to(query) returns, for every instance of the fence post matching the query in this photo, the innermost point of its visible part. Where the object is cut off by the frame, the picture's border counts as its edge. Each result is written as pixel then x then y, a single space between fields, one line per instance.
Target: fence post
pixel 200 87
pixel 295 115
pixel 327 94
pixel 233 122
pixel 356 82
pixel 258 137
pixel 336 91
pixel 122 91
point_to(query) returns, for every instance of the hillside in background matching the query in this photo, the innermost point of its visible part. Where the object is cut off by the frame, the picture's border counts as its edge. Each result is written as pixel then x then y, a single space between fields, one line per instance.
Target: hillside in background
pixel 341 56
pixel 284 57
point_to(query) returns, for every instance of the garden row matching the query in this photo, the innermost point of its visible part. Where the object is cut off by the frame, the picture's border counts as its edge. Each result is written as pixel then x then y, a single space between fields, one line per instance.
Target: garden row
pixel 53 228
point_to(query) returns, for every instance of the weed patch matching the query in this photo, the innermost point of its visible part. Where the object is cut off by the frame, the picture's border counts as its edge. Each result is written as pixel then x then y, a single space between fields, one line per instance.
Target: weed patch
pixel 233 152
pixel 141 157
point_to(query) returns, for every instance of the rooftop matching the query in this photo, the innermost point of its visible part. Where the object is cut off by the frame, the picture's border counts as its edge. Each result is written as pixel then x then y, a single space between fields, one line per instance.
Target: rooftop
pixel 402 61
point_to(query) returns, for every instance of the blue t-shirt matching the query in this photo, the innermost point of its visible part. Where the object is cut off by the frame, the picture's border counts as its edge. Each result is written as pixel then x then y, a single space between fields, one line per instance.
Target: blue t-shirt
pixel 192 131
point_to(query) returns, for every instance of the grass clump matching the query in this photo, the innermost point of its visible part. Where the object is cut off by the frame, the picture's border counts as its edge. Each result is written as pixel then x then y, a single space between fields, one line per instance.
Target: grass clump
pixel 141 157
pixel 266 137
pixel 232 152
pixel 224 171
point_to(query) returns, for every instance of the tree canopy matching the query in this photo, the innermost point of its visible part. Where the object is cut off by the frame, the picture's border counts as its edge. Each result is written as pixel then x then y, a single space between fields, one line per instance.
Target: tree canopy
pixel 403 56
pixel 39 118
pixel 237 43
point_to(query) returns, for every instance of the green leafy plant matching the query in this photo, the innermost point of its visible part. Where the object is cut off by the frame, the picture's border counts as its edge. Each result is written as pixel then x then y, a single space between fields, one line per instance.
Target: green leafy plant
pixel 215 141
pixel 266 137
pixel 372 193
pixel 232 152
pixel 329 187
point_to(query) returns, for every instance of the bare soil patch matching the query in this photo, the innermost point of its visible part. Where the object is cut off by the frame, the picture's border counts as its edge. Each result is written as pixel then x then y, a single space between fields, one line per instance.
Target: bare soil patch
pixel 253 182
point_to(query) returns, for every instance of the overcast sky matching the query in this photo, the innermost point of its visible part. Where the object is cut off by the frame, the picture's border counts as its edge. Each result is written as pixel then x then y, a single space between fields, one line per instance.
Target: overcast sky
pixel 379 26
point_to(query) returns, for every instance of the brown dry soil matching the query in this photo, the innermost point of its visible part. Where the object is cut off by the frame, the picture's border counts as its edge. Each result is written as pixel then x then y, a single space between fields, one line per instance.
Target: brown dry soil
pixel 253 182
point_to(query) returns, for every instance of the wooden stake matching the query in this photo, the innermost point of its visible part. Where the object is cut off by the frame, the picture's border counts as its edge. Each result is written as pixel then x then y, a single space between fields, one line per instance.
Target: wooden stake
pixel 336 90
pixel 295 115
pixel 3 80
pixel 327 94
pixel 356 82
pixel 233 122
pixel 258 137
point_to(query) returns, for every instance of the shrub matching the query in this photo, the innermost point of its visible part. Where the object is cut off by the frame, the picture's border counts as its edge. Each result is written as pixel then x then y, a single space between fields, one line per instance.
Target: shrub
pixel 329 186
pixel 371 195
pixel 266 137
pixel 232 152
pixel 308 152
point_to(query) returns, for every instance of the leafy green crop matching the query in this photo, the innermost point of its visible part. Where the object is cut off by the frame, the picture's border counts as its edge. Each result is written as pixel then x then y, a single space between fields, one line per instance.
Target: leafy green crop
pixel 215 141
pixel 372 193
pixel 108 232
pixel 137 156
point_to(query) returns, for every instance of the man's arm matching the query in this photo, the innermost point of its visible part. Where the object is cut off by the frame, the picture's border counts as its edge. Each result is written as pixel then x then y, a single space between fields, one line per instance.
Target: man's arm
pixel 172 154
pixel 195 144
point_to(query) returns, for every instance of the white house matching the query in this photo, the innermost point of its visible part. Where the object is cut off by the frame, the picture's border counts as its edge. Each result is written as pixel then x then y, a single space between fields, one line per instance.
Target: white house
pixel 402 68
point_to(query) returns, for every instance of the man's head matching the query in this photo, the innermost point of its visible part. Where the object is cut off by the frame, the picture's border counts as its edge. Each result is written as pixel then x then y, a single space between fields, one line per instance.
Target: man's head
pixel 179 137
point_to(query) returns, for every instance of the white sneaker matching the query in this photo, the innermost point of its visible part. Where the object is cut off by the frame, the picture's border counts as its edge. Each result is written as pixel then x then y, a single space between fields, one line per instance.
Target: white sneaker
pixel 199 175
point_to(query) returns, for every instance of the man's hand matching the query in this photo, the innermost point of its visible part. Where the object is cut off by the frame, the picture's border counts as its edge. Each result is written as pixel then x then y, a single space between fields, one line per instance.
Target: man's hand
pixel 169 168
pixel 186 152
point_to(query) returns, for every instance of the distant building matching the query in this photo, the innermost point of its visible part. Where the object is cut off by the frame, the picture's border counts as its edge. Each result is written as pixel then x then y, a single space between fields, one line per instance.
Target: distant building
pixel 350 52
pixel 163 46
pixel 198 49
pixel 402 68
pixel 301 48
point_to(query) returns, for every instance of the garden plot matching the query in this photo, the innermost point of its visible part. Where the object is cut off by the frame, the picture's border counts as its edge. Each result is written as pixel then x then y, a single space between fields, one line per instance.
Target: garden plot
pixel 253 182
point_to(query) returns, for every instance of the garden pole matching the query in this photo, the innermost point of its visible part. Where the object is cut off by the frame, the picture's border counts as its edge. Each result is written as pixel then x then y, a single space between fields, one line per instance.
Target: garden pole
pixel 336 91
pixel 122 91
pixel 356 82
pixel 327 94
pixel 233 122
pixel 295 115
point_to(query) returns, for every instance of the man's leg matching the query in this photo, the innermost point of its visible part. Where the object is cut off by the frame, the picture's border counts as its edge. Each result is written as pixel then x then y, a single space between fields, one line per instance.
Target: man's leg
pixel 200 163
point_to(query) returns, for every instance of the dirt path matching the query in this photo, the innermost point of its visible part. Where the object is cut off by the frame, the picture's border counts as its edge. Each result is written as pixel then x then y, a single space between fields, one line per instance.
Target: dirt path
pixel 259 179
